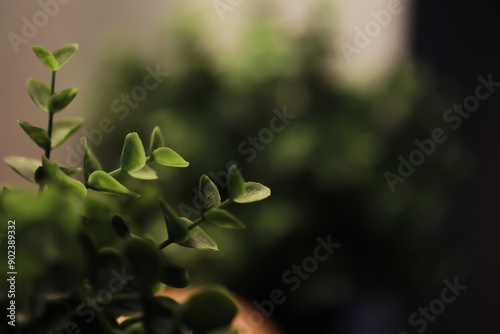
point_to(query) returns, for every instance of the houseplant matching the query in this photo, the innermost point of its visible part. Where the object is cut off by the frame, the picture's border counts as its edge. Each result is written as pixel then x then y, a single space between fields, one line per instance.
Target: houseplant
pixel 62 280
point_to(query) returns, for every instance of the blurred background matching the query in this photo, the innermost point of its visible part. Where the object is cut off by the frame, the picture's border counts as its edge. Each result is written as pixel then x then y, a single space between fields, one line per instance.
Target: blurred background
pixel 363 80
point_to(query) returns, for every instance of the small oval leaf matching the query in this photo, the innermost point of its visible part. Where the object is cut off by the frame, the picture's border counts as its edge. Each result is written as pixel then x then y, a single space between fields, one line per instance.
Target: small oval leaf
pixel 156 140
pixel 25 167
pixel 55 176
pixel 64 54
pixel 146 173
pixel 133 156
pixel 222 218
pixel 62 99
pixel 64 128
pixel 253 192
pixel 90 162
pixel 39 93
pixel 198 238
pixel 46 57
pixel 38 135
pixel 120 227
pixel 40 174
pixel 236 183
pixel 176 228
pixel 209 194
pixel 168 157
pixel 102 181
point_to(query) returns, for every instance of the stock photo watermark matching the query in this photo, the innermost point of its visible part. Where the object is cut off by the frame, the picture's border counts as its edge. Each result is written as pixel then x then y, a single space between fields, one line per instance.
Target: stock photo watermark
pixel 221 7
pixel 454 118
pixel 265 136
pixel 363 36
pixel 122 107
pixel 250 147
pixel 11 272
pixel 436 307
pixel 31 26
pixel 292 278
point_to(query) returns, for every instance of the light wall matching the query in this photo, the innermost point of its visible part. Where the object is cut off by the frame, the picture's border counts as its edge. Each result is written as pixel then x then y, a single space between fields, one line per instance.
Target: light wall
pixel 91 23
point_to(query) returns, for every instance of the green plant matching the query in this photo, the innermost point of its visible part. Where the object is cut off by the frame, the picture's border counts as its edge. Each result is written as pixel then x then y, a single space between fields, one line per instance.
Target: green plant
pixel 65 281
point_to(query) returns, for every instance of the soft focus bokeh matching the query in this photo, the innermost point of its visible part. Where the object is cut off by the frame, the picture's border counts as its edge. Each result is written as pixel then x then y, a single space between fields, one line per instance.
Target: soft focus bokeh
pixel 235 69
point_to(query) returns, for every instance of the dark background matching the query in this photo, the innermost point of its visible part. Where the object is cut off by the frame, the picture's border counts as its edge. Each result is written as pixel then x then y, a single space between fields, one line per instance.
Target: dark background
pixel 458 38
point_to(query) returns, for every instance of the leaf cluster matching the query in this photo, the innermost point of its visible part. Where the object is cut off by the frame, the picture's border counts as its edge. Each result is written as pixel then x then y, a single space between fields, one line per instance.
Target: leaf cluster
pixel 56 213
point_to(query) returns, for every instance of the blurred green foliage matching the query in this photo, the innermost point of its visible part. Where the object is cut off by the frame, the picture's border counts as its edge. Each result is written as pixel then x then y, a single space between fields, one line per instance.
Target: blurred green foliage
pixel 326 168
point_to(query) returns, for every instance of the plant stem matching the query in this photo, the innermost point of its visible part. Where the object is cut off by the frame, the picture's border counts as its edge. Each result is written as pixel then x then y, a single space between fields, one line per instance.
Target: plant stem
pixel 48 150
pixel 116 172
pixel 51 116
pixel 225 203
pixel 196 223
pixel 164 244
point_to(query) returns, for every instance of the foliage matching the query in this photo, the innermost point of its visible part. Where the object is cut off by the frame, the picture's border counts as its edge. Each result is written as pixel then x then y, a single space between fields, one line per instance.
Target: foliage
pixel 327 165
pixel 68 278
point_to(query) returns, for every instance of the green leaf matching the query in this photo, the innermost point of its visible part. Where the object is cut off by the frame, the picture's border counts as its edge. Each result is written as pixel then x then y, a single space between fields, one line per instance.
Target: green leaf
pixel 120 227
pixel 146 173
pixel 64 54
pixel 102 181
pixel 176 228
pixel 133 156
pixel 40 174
pixel 198 238
pixel 174 276
pixel 71 171
pixel 222 218
pixel 62 99
pixel 236 186
pixel 90 162
pixel 156 140
pixel 209 194
pixel 144 258
pixel 46 57
pixel 209 309
pixel 25 167
pixel 38 135
pixel 168 157
pixel 254 192
pixel 39 93
pixel 56 176
pixel 63 128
